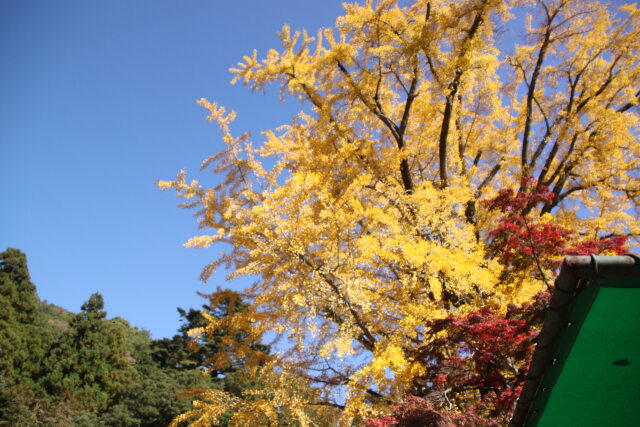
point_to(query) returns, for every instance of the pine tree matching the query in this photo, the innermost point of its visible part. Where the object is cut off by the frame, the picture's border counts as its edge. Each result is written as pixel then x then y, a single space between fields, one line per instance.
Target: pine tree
pixel 20 343
pixel 90 363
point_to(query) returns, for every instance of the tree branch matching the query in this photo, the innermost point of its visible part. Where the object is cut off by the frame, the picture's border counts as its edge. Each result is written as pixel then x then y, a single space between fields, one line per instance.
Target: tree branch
pixel 452 91
pixel 531 92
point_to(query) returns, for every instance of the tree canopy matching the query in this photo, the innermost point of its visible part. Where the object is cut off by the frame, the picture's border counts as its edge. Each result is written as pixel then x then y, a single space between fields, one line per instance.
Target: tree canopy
pixel 59 368
pixel 442 162
pixel 19 318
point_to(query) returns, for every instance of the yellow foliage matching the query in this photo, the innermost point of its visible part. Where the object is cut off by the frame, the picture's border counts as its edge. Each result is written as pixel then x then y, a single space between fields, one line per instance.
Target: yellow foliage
pixel 369 224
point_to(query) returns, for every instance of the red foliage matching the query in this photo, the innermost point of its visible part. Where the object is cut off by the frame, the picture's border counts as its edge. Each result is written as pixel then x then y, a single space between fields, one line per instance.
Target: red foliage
pixel 414 412
pixel 518 239
pixel 587 247
pixel 508 200
pixel 476 362
pixel 476 368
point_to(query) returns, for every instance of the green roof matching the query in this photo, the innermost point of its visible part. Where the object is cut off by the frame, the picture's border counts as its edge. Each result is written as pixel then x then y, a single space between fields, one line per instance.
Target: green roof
pixel 586 367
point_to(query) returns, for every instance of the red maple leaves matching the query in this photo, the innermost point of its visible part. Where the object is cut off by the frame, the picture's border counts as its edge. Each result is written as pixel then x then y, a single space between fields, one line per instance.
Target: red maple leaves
pixel 518 237
pixel 476 362
pixel 475 369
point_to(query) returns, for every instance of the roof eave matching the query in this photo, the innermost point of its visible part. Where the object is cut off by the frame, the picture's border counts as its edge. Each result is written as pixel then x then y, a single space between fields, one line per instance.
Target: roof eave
pixel 574 271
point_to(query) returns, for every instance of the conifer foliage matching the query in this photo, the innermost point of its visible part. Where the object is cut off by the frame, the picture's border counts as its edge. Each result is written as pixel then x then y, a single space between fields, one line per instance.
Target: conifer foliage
pixel 443 161
pixel 60 369
pixel 88 362
pixel 19 318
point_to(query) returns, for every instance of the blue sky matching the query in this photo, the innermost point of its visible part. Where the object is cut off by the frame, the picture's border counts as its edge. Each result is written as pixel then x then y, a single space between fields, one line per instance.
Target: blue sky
pixel 98 103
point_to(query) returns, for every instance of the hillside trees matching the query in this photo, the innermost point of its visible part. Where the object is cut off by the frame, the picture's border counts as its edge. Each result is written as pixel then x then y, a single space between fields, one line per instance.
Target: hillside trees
pixel 83 369
pixel 104 372
pixel 20 337
pixel 89 362
pixel 373 219
pixel 23 338
pixel 154 397
pixel 59 368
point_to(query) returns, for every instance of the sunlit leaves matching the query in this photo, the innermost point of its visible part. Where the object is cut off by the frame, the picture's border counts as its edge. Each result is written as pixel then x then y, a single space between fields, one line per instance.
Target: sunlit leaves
pixel 362 219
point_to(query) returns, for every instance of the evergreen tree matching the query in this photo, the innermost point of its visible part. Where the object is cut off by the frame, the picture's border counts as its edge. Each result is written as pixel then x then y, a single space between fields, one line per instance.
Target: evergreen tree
pixel 20 339
pixel 62 369
pixel 152 399
pixel 23 343
pixel 177 352
pixel 90 362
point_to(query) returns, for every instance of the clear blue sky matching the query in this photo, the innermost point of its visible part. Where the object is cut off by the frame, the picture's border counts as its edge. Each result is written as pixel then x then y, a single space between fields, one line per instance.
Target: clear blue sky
pixel 97 102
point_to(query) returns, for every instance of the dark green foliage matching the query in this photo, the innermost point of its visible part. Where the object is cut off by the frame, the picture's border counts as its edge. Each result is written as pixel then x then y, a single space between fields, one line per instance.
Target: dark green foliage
pixel 16 290
pixel 176 353
pixel 21 405
pixel 64 369
pixel 23 342
pixel 172 353
pixel 21 334
pixel 93 308
pixel 152 401
pixel 90 361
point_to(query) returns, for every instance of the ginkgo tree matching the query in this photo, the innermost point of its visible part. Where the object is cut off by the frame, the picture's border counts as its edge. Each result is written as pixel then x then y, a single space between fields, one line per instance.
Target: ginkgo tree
pixel 366 217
